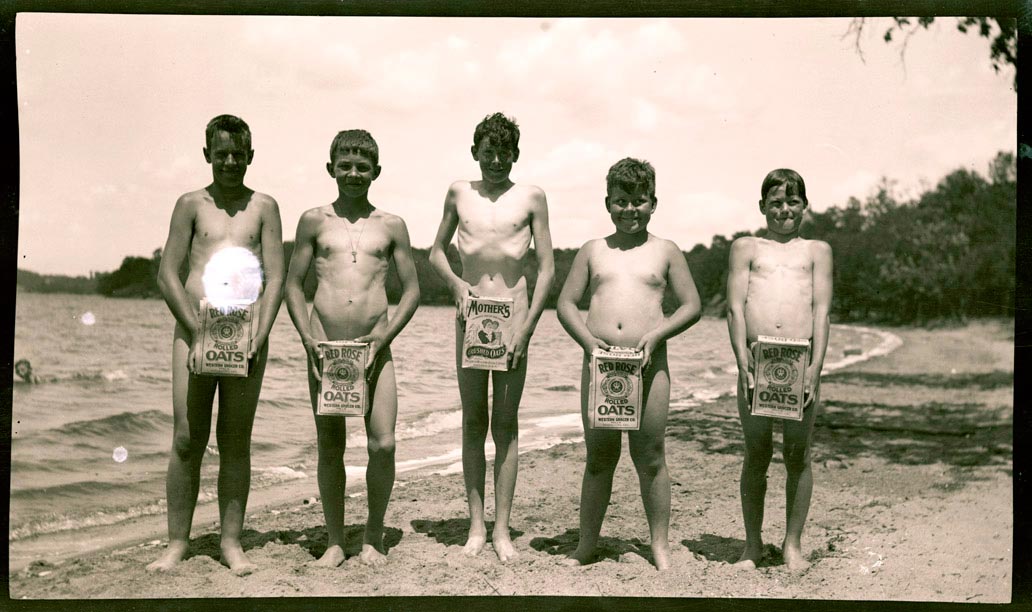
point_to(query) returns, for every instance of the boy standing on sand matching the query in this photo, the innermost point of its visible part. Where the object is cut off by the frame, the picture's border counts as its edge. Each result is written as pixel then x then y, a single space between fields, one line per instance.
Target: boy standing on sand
pixel 778 285
pixel 352 243
pixel 236 230
pixel 496 220
pixel 626 274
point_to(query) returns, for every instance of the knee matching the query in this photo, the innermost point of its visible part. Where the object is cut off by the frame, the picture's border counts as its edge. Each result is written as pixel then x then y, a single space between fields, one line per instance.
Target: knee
pixel 185 448
pixel 381 445
pixel 474 425
pixel 504 430
pixel 649 459
pixel 796 460
pixel 602 462
pixel 758 456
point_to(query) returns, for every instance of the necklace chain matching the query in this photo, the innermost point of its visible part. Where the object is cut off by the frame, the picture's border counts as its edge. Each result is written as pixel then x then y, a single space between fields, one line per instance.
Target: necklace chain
pixel 354 244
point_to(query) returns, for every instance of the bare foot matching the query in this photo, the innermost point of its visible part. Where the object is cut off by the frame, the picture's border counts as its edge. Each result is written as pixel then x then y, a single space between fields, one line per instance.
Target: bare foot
pixel 751 557
pixel 661 555
pixel 475 542
pixel 233 556
pixel 333 557
pixel 371 556
pixel 173 554
pixel 794 557
pixel 503 547
pixel 579 557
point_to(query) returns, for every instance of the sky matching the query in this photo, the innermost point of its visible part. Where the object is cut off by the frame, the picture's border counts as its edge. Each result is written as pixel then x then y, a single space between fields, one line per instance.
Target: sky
pixel 112 110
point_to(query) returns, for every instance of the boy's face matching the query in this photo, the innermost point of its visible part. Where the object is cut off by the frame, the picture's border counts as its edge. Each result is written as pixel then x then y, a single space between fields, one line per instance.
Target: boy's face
pixel 784 212
pixel 354 172
pixel 229 156
pixel 495 162
pixel 630 210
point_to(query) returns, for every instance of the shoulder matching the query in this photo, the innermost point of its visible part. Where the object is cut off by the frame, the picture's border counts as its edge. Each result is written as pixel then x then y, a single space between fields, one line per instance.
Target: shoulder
pixel 667 246
pixel 459 186
pixel 265 202
pixel 391 221
pixel 819 249
pixel 533 194
pixel 312 217
pixel 744 246
pixel 592 246
pixel 193 199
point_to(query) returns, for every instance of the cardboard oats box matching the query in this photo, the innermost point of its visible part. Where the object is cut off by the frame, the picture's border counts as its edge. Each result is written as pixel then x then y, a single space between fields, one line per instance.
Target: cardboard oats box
pixel 488 329
pixel 227 333
pixel 343 390
pixel 780 372
pixel 615 389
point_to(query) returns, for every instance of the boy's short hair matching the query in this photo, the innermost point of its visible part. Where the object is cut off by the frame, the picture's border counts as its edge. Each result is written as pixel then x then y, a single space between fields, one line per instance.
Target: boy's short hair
pixel 784 176
pixel 501 130
pixel 630 174
pixel 227 123
pixel 356 140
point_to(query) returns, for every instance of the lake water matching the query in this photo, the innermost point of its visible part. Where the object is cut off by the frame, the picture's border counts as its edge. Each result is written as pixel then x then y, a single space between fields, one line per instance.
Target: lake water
pixel 112 360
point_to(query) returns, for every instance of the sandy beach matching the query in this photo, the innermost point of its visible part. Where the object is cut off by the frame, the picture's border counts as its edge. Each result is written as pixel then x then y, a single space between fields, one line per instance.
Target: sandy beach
pixel 912 501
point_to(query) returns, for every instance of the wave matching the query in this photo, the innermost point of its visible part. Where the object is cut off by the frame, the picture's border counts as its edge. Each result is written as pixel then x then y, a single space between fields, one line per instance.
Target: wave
pixel 562 388
pixel 122 423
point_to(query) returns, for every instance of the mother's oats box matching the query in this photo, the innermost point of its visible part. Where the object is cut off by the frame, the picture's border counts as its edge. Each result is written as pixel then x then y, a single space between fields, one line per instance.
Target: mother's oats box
pixel 614 397
pixel 488 329
pixel 780 373
pixel 343 390
pixel 226 335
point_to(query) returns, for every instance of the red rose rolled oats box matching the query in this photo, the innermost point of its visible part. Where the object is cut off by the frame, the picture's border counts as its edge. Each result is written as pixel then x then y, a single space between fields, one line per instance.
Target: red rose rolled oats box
pixel 780 373
pixel 226 335
pixel 614 396
pixel 343 390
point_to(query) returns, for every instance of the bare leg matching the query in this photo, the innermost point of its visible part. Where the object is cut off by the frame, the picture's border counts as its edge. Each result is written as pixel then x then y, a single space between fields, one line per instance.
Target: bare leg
pixel 331 436
pixel 191 407
pixel 473 394
pixel 238 400
pixel 798 485
pixel 759 447
pixel 649 455
pixel 603 454
pixel 508 390
pixel 380 422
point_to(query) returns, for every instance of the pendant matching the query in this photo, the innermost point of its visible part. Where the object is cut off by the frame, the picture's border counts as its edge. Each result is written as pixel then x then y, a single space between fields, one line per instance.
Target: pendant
pixel 354 257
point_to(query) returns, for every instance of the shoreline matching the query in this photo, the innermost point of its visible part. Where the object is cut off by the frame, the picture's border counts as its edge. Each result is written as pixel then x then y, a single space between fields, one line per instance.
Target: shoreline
pixel 80 540
pixel 875 499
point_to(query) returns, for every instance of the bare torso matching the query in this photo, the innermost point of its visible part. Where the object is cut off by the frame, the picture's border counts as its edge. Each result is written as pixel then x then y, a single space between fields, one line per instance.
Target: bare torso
pixel 626 291
pixel 493 239
pixel 779 300
pixel 216 228
pixel 351 298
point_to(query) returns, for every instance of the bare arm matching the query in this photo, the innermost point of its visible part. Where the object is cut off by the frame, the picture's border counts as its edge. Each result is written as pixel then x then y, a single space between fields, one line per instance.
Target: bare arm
pixel 546 261
pixel 687 313
pixel 545 274
pixel 177 246
pixel 566 306
pixel 822 291
pixel 300 260
pixel 409 301
pixel 272 261
pixel 737 288
pixel 438 251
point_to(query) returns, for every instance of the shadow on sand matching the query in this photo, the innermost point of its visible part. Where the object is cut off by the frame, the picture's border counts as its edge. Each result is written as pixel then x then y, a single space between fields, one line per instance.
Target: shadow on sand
pixel 608 548
pixel 453 531
pixel 312 540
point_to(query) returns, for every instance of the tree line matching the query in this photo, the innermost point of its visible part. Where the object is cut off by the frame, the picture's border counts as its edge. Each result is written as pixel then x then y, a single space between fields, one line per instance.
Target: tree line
pixel 948 254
